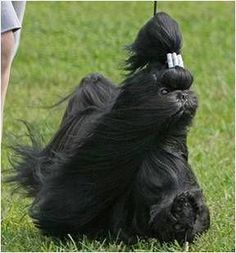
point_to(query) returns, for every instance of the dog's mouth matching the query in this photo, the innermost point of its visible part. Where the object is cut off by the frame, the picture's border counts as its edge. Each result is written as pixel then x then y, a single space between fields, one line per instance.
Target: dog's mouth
pixel 184 114
pixel 187 107
pixel 190 105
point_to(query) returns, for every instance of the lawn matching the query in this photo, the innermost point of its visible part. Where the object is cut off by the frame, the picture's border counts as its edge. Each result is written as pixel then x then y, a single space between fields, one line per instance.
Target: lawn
pixel 63 41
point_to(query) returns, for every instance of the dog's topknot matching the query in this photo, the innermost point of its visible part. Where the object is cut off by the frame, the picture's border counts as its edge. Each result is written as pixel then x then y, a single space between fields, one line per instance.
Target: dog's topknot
pixel 176 78
pixel 159 36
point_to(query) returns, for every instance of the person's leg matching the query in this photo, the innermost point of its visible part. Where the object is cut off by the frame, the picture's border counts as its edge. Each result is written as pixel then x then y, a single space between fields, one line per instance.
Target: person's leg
pixel 7 47
pixel 11 19
pixel 12 14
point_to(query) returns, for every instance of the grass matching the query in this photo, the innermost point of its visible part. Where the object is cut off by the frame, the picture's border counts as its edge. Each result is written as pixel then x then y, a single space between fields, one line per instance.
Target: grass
pixel 63 41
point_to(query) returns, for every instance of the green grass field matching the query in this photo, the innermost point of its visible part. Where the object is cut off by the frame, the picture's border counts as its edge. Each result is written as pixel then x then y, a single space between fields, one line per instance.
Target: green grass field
pixel 64 41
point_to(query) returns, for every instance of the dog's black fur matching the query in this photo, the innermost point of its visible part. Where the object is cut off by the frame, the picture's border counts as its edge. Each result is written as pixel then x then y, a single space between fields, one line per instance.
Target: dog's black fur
pixel 119 161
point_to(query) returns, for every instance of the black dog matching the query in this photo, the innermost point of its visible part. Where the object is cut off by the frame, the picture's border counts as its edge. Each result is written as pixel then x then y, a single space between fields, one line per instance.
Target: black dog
pixel 119 161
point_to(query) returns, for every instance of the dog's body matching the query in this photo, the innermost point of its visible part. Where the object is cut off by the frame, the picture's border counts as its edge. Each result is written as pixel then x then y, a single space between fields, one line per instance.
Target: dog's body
pixel 119 161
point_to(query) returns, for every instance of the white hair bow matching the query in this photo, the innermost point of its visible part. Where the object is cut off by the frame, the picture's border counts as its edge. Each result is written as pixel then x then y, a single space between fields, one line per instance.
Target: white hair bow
pixel 174 60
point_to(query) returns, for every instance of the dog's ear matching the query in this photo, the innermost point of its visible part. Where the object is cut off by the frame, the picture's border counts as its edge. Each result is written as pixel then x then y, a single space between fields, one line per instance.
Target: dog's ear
pixel 159 36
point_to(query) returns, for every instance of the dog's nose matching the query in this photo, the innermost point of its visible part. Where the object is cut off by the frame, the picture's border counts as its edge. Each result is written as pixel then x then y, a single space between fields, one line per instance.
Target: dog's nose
pixel 183 96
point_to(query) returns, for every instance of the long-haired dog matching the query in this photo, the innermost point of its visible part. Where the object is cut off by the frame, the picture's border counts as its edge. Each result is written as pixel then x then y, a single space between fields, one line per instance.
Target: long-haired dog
pixel 119 161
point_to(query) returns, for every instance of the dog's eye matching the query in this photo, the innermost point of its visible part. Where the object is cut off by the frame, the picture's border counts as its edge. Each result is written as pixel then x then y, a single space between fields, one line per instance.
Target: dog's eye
pixel 164 91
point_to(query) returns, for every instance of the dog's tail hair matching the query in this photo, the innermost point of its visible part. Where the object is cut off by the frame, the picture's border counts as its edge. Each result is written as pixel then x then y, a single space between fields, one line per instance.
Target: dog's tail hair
pixel 28 163
pixel 159 36
pixel 33 164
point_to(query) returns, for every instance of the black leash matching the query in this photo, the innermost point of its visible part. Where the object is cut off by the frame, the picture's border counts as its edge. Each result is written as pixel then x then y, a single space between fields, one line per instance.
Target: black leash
pixel 155 8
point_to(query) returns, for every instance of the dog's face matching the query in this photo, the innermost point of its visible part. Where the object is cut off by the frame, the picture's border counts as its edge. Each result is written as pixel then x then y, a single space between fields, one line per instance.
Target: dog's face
pixel 164 96
pixel 175 96
pixel 177 105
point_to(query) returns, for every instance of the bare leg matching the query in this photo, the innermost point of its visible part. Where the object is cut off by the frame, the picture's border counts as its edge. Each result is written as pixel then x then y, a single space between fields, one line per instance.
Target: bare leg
pixel 7 46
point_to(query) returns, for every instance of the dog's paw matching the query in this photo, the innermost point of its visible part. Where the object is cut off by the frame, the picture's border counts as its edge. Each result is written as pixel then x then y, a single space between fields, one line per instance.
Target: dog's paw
pixel 183 205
